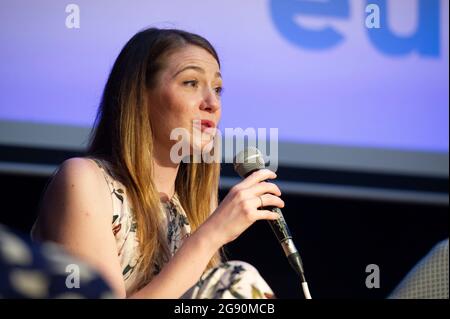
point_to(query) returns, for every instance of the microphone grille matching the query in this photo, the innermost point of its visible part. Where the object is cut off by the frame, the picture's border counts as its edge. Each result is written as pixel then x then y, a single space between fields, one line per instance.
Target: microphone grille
pixel 248 161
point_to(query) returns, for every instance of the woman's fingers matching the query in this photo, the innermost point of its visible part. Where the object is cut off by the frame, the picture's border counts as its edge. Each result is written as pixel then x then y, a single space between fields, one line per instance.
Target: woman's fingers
pixel 266 187
pixel 255 203
pixel 256 177
pixel 266 214
pixel 268 200
pixel 246 203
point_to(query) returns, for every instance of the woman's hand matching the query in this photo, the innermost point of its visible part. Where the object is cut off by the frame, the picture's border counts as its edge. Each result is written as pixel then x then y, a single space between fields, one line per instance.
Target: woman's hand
pixel 239 209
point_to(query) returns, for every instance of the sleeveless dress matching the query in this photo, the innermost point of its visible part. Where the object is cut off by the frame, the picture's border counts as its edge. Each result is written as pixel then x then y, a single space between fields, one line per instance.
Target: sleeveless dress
pixel 228 280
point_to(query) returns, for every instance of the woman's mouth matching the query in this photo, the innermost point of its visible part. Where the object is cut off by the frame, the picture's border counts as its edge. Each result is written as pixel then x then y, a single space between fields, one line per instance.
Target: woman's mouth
pixel 207 125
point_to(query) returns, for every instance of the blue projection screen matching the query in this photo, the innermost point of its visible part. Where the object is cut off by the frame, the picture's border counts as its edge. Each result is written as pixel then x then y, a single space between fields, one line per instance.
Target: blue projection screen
pixel 359 85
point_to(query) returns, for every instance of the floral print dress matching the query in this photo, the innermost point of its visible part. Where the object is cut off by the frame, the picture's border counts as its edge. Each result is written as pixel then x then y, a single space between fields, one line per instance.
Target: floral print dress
pixel 229 280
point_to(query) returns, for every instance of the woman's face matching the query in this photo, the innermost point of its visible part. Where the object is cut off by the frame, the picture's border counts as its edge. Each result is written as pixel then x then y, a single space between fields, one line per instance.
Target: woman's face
pixel 186 95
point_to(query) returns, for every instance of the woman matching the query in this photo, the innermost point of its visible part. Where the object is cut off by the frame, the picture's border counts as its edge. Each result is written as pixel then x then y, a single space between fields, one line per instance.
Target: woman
pixel 167 228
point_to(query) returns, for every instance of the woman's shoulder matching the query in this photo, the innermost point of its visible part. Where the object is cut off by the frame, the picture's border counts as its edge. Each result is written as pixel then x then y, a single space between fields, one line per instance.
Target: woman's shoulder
pixel 75 191
pixel 78 179
pixel 76 171
pixel 95 180
pixel 82 165
pixel 82 169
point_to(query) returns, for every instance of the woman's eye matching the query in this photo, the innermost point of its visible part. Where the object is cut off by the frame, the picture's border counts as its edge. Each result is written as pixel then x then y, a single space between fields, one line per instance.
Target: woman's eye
pixel 192 83
pixel 219 90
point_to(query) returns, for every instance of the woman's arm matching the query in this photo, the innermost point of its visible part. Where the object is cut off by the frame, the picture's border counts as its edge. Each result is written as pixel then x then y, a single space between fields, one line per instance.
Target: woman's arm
pixel 235 214
pixel 77 213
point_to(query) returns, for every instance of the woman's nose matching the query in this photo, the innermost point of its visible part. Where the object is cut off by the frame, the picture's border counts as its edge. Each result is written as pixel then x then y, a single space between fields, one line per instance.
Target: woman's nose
pixel 211 101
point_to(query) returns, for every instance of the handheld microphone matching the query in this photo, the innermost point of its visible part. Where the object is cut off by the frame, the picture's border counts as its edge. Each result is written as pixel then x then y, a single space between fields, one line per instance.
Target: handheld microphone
pixel 245 163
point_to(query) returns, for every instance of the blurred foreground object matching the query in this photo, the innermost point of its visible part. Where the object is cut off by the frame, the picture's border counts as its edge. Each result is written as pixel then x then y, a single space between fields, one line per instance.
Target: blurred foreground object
pixel 428 279
pixel 31 270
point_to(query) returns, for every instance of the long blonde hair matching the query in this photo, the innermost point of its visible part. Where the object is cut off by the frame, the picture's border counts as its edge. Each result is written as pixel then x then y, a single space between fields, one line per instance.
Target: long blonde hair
pixel 123 136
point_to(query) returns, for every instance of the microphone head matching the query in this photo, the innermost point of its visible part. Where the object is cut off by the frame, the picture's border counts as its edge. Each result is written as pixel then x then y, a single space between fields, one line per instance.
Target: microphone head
pixel 248 161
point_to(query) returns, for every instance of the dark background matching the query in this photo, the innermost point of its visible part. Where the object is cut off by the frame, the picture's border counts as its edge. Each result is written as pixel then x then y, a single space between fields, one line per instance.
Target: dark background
pixel 337 237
